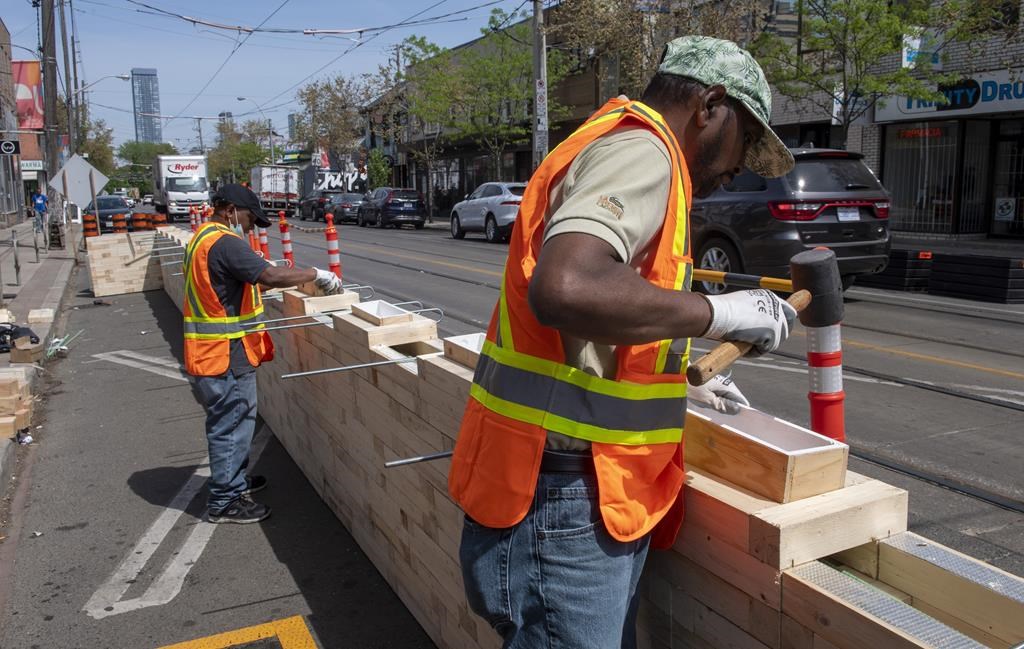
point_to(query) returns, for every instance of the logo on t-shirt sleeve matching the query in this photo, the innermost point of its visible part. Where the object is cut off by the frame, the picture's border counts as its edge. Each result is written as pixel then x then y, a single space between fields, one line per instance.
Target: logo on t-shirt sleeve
pixel 612 204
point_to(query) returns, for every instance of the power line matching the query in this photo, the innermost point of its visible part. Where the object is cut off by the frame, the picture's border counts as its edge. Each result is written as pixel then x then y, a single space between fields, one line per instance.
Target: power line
pixel 221 67
pixel 356 45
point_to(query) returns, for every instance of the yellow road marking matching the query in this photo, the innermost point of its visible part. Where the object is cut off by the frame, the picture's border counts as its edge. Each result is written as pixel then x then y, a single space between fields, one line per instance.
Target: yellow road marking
pixel 290 632
pixel 928 358
pixel 429 260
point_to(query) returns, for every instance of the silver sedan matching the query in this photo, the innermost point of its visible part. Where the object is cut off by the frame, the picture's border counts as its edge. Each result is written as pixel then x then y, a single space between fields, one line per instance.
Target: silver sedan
pixel 491 209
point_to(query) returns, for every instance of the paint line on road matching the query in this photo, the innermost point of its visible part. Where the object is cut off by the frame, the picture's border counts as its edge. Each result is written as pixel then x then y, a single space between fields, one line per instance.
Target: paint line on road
pixel 290 633
pixel 798 368
pixel 106 601
pixel 150 364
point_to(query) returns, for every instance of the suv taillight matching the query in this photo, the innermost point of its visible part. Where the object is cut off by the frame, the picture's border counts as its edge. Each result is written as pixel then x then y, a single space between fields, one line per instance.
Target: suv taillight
pixel 387 199
pixel 882 209
pixel 323 200
pixel 511 202
pixel 794 210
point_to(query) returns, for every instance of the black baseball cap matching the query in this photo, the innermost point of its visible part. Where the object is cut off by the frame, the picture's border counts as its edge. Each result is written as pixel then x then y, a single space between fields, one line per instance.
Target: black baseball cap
pixel 240 196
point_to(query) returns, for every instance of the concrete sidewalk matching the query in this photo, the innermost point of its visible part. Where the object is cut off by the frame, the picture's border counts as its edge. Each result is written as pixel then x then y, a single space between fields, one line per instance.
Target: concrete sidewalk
pixel 28 284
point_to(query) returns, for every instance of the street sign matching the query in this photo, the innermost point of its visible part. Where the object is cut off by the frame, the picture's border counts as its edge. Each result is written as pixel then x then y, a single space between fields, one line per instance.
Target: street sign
pixel 10 147
pixel 75 176
pixel 31 165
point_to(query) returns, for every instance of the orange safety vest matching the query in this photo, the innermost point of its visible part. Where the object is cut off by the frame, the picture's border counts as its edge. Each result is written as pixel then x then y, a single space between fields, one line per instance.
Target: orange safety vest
pixel 209 330
pixel 523 388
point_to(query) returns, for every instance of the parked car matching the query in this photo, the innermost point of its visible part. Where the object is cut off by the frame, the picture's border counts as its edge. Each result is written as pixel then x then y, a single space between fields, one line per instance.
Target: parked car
pixel 386 206
pixel 830 198
pixel 344 207
pixel 109 206
pixel 147 199
pixel 312 206
pixel 491 209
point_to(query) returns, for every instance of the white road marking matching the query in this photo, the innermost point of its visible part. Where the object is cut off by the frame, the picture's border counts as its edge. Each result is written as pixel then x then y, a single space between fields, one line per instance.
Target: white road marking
pixel 162 366
pixel 106 601
pixel 799 368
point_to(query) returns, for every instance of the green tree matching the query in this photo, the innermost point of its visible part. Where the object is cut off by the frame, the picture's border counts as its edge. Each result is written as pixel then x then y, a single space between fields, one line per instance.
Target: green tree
pixel 378 171
pixel 143 153
pixel 329 115
pixel 497 87
pixel 97 146
pixel 622 40
pixel 234 156
pixel 846 56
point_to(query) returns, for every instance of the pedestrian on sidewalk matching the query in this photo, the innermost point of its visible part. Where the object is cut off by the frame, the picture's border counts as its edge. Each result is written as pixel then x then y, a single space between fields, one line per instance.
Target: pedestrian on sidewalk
pixel 40 203
pixel 224 344
pixel 569 461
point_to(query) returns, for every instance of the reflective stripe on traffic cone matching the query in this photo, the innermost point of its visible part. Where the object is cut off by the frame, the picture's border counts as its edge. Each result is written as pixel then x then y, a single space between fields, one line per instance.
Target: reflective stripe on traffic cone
pixel 286 240
pixel 193 219
pixel 333 255
pixel 264 245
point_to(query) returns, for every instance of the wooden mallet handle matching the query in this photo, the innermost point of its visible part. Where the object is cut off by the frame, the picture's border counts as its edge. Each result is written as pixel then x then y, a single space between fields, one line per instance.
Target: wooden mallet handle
pixel 725 354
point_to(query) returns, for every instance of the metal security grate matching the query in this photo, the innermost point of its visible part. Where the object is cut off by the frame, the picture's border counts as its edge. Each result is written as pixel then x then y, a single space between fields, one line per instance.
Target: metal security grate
pixel 904 617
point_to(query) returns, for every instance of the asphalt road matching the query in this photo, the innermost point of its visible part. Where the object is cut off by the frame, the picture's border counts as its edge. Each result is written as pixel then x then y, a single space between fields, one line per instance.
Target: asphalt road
pixel 121 442
pixel 973 349
pixel 121 434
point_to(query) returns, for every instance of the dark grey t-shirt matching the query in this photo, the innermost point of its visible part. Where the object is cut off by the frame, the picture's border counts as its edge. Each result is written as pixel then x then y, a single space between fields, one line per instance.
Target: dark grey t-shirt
pixel 232 265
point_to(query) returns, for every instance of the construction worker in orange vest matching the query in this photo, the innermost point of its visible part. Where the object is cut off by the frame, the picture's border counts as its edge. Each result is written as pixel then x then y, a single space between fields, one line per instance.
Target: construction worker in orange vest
pixel 569 460
pixel 224 344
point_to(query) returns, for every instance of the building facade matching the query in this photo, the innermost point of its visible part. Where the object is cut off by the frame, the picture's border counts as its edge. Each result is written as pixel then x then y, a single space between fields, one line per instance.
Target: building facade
pixel 11 192
pixel 146 105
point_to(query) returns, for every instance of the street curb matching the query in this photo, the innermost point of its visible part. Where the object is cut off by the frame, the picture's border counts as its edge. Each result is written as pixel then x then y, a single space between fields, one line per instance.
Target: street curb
pixel 7 461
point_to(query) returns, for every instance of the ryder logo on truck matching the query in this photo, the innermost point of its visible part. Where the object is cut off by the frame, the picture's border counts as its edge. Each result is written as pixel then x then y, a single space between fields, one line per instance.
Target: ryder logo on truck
pixel 192 168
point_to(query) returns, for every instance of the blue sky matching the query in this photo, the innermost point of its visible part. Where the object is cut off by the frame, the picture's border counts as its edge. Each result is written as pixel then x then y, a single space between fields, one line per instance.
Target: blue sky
pixel 117 36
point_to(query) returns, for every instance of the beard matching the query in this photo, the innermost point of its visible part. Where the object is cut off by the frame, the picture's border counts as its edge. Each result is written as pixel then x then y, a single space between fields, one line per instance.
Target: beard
pixel 704 175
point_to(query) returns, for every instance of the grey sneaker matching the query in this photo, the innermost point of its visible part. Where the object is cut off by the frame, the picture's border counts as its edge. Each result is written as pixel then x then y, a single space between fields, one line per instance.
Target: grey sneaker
pixel 242 510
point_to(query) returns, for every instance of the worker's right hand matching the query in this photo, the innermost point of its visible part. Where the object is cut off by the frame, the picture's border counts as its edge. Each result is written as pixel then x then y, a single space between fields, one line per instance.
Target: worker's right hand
pixel 756 316
pixel 327 282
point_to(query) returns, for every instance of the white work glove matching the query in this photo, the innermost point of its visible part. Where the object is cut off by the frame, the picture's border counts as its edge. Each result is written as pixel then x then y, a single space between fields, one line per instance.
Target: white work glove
pixel 327 282
pixel 720 393
pixel 757 316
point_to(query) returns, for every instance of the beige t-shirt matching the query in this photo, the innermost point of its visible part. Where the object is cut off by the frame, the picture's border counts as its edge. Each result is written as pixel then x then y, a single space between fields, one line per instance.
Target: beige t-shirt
pixel 616 190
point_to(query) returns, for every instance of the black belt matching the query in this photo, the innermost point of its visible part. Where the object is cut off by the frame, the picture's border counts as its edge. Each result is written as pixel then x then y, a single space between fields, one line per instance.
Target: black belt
pixel 567 462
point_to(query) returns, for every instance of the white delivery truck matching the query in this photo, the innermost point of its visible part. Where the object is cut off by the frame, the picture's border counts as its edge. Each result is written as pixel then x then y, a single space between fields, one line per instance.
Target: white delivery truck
pixel 179 183
pixel 277 186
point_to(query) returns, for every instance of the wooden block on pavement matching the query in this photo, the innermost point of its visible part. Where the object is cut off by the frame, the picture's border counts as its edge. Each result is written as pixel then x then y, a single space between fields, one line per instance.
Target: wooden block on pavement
pixel 464 349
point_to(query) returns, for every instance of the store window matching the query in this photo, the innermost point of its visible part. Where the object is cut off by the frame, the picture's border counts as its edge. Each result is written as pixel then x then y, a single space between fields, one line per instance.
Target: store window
pixel 919 171
pixel 1008 181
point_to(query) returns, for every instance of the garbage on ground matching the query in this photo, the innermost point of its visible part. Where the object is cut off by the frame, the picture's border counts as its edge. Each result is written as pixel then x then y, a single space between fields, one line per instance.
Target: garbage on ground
pixel 36 534
pixel 24 437
pixel 143 333
pixel 9 332
pixel 101 303
pixel 59 346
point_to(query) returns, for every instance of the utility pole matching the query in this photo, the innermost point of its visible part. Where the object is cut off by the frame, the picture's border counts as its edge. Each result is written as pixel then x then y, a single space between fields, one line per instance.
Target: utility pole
pixel 71 98
pixel 199 127
pixel 540 86
pixel 50 86
pixel 74 71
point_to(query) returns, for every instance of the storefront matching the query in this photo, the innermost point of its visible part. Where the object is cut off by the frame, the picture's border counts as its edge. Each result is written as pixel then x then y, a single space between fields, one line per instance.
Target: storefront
pixel 957 169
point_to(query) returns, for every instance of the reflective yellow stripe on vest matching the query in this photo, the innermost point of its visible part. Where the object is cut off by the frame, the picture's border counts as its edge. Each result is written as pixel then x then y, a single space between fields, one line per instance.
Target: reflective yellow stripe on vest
pixel 567 400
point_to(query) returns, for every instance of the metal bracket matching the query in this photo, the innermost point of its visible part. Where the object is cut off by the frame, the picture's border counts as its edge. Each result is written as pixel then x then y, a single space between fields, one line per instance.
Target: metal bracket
pixel 434 310
pixel 345 368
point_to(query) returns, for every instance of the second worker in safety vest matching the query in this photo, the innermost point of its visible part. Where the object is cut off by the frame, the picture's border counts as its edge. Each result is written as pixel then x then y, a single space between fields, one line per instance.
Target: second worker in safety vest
pixel 569 461
pixel 224 343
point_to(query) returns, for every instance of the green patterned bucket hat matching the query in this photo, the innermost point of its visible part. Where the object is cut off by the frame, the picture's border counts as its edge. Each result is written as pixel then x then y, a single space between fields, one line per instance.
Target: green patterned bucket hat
pixel 712 61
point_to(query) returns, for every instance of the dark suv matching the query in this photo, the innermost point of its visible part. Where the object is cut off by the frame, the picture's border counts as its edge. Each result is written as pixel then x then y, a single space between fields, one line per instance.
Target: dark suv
pixel 754 224
pixel 313 205
pixel 386 206
pixel 344 207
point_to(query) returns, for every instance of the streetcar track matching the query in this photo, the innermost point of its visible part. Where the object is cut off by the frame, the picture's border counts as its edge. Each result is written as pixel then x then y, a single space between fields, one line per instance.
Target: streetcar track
pixel 933 339
pixel 973 491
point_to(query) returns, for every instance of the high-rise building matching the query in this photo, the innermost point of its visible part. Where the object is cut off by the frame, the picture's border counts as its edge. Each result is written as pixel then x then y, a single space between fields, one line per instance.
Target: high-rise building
pixel 146 103
pixel 293 120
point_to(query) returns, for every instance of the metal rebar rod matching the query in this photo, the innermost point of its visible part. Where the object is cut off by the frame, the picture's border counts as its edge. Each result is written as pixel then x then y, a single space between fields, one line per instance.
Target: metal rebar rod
pixel 17 263
pixel 173 263
pixel 345 368
pixel 291 326
pixel 168 254
pixel 417 459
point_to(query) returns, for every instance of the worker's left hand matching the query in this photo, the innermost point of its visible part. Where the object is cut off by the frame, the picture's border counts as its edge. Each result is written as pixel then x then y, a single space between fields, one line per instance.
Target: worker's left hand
pixel 720 393
pixel 327 282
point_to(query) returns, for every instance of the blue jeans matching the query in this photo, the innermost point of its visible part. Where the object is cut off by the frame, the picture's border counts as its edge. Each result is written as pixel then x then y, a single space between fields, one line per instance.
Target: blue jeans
pixel 38 224
pixel 557 579
pixel 230 403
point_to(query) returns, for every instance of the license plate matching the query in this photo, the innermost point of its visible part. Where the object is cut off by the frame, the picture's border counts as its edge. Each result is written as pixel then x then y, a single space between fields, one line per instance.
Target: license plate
pixel 408 206
pixel 848 213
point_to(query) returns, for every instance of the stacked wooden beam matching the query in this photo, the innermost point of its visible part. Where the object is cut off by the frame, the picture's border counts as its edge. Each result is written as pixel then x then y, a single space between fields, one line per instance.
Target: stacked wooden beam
pixel 117 267
pixel 16 402
pixel 776 550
